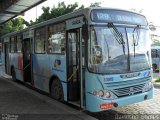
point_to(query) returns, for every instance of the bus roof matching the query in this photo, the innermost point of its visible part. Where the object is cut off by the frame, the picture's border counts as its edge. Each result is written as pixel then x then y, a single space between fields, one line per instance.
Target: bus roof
pixel 77 13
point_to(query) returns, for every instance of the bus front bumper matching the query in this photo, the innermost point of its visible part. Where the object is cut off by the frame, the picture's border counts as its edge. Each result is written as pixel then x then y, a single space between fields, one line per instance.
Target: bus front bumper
pixel 95 104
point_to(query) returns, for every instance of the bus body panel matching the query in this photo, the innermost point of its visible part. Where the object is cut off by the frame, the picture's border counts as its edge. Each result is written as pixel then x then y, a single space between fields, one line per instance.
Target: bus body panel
pixel 41 72
pixel 95 102
pixel 115 81
pixel 20 74
pixel 58 68
pixel 47 65
pixel 76 22
pixel 118 86
pixel 16 61
pixel 3 61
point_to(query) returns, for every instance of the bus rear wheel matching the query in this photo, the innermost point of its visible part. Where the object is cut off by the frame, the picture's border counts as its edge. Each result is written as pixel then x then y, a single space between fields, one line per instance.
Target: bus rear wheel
pixel 13 75
pixel 56 90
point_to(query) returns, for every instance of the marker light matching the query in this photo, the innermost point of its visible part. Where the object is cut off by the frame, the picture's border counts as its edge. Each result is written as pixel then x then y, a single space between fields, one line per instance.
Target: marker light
pixel 147 87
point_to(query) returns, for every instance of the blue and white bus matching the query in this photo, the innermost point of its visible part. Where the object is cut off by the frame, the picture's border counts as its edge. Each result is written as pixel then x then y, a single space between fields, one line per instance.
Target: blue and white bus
pixel 155 54
pixel 95 58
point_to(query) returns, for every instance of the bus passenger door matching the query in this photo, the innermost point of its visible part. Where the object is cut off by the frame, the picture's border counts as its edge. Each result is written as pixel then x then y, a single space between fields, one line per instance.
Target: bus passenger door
pixel 27 60
pixel 73 66
pixel 6 52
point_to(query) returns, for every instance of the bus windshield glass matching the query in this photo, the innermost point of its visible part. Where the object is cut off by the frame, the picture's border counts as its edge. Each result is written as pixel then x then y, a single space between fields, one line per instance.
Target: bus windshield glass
pixel 118 49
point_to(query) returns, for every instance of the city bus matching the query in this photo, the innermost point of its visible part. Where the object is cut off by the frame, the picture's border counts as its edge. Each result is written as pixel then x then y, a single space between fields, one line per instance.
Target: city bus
pixel 95 58
pixel 155 55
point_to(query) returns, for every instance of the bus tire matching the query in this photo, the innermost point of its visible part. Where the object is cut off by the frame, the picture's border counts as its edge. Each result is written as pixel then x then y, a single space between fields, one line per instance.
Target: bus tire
pixel 57 90
pixel 13 75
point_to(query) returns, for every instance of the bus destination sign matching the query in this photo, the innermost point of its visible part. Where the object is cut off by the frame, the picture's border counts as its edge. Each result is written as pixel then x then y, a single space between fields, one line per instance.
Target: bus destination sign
pixel 117 16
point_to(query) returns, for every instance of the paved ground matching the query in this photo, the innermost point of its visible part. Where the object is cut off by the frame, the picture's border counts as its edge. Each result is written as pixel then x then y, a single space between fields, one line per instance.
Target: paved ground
pixel 18 99
pixel 140 110
pixel 155 75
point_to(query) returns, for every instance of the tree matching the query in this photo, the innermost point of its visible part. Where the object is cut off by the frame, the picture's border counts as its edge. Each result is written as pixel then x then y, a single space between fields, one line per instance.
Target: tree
pixel 61 9
pixel 96 4
pixel 13 25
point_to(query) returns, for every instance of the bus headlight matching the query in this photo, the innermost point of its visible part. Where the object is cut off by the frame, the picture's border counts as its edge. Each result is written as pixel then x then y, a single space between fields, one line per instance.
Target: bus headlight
pixel 147 87
pixel 104 94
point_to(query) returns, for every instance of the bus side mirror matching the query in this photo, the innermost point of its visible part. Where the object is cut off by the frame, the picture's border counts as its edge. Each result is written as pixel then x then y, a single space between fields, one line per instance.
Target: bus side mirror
pixel 85 32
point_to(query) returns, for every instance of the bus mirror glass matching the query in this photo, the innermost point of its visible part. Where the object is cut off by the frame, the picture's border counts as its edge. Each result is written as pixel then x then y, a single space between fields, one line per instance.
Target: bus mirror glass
pixel 97 54
pixel 98 51
pixel 85 32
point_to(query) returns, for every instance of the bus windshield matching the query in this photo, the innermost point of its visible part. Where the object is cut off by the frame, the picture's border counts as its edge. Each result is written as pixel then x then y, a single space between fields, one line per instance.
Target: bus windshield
pixel 118 49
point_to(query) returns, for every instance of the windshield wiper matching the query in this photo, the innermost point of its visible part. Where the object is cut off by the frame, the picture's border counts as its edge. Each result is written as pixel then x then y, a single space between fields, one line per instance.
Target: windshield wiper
pixel 136 39
pixel 118 36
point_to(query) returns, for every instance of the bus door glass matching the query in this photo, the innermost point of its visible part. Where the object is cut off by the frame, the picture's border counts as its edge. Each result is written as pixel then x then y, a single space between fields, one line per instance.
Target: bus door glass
pixel 6 45
pixel 27 60
pixel 73 66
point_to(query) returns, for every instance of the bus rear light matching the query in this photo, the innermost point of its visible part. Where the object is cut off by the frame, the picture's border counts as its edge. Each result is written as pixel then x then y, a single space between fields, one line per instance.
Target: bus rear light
pixel 106 106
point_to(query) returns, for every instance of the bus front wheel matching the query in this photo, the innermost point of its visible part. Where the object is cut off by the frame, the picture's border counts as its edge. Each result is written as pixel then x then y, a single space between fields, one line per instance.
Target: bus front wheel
pixel 56 90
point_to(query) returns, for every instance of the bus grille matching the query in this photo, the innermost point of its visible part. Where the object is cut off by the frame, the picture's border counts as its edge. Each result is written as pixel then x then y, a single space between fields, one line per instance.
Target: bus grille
pixel 126 91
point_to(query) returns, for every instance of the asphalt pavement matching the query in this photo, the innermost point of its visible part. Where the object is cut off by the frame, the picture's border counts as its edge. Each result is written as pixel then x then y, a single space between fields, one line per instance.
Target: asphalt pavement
pixel 19 102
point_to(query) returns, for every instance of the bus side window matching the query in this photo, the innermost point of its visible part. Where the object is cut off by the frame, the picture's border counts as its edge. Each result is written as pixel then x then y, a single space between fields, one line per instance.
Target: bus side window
pixel 13 44
pixel 56 38
pixel 154 53
pixel 49 48
pixel 56 43
pixel 158 53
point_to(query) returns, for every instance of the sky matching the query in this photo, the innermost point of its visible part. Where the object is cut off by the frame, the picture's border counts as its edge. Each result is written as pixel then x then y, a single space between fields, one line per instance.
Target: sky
pixel 150 8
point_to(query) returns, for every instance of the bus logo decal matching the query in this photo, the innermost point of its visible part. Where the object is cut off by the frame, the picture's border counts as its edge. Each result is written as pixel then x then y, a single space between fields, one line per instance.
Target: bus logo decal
pixel 57 64
pixel 108 79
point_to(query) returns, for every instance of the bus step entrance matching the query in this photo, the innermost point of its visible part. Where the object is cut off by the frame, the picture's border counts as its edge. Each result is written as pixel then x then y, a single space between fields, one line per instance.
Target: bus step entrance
pixel 74 91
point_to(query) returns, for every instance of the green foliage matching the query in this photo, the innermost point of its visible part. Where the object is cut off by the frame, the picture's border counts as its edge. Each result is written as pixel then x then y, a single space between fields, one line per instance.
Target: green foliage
pixel 61 9
pixel 13 25
pixel 158 79
pixel 96 4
